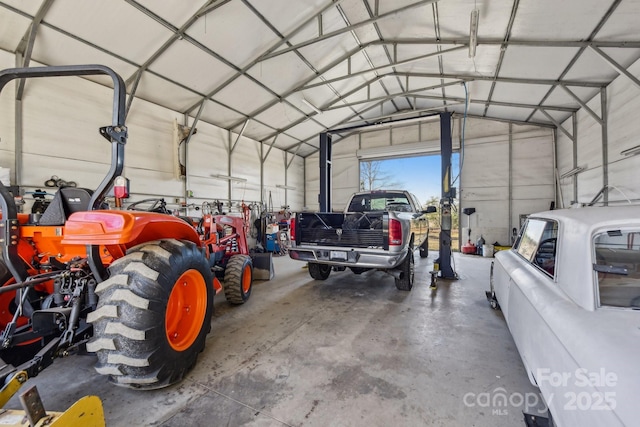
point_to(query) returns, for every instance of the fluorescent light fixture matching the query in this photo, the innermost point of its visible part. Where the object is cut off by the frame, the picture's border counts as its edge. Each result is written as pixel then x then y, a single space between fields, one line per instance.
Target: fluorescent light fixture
pixel 310 105
pixel 572 172
pixel 230 178
pixel 631 151
pixel 473 32
pixel 286 187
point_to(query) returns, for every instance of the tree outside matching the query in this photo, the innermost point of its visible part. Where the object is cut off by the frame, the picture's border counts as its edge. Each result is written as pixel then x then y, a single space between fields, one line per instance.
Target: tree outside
pixel 373 177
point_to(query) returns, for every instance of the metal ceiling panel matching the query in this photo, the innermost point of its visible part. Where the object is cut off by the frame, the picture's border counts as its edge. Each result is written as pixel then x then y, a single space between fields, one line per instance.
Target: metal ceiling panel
pixel 269 72
pixel 110 24
pixel 479 89
pixel 454 18
pixel 509 112
pixel 257 131
pixel 283 141
pixel 281 115
pixel 244 95
pixel 287 15
pixel 416 22
pixel 54 48
pixel 29 7
pixel 553 19
pixel 591 67
pixel 168 11
pixel 162 92
pixel 234 32
pixel 219 115
pixel 536 62
pixel 12 29
pixel 332 117
pixel 324 53
pixel 560 97
pixel 622 23
pixel 484 63
pixel 378 56
pixel 305 130
pixel 319 96
pixel 202 73
pixel 512 92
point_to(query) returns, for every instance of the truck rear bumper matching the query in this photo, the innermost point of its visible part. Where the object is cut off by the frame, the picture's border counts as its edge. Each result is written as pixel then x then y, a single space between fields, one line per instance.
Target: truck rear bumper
pixel 348 257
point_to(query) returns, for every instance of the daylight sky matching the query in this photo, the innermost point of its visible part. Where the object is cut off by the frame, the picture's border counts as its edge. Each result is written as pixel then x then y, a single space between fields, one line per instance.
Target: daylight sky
pixel 419 175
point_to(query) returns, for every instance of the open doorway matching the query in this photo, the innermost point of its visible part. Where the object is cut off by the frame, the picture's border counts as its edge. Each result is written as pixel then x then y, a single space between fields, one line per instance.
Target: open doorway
pixel 420 175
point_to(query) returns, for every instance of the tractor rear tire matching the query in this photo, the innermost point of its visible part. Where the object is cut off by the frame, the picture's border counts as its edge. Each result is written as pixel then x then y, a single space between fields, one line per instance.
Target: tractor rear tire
pixel 153 314
pixel 238 279
pixel 407 273
pixel 319 271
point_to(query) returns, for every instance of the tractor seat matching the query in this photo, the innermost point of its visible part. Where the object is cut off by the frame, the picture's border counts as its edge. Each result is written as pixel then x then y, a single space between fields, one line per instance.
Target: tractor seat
pixel 66 201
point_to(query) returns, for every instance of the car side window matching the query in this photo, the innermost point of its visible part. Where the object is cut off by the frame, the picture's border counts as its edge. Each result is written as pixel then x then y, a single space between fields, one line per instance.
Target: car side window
pixel 537 244
pixel 617 268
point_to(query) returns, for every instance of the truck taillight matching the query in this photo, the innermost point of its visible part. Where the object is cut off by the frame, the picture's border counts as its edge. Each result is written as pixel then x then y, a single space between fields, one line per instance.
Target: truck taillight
pixel 292 228
pixel 395 232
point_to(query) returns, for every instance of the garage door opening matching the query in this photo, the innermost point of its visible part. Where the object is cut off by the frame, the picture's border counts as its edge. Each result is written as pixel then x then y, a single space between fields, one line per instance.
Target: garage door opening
pixel 421 176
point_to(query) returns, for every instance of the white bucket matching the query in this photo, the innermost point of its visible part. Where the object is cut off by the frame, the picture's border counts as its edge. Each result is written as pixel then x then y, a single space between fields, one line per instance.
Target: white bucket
pixel 487 251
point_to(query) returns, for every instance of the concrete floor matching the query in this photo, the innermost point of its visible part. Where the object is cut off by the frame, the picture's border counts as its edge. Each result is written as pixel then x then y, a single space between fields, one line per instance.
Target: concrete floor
pixel 349 351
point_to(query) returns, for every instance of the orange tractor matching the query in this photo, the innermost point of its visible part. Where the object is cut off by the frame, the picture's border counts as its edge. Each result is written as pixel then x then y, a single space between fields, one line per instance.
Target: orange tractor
pixel 134 287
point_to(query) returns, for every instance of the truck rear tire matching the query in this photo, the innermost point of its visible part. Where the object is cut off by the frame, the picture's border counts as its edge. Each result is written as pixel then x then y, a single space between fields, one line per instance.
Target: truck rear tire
pixel 153 314
pixel 407 273
pixel 238 279
pixel 319 271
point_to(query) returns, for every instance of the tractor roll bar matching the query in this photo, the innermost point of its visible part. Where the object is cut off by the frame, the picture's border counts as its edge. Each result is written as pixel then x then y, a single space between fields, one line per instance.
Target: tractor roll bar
pixel 117 132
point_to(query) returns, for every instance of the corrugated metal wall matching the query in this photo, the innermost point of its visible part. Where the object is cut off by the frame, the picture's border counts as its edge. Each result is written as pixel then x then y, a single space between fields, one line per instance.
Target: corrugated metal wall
pixel 623 104
pixel 507 172
pixel 61 118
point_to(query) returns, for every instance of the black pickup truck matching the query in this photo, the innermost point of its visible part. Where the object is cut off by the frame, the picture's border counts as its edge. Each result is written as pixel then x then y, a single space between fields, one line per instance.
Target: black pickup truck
pixel 378 230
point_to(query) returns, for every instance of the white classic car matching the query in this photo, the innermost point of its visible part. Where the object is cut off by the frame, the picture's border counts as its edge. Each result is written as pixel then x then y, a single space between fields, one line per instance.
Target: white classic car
pixel 569 290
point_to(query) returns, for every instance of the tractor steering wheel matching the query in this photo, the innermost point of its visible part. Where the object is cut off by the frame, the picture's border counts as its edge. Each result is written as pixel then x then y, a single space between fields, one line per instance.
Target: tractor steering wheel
pixel 157 205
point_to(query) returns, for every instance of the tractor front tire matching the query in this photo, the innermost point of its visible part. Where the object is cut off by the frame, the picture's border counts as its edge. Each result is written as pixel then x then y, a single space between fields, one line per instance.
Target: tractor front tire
pixel 319 271
pixel 238 279
pixel 407 272
pixel 153 314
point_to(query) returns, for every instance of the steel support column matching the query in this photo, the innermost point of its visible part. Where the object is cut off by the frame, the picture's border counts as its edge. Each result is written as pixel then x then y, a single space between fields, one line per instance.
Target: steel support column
pixel 324 198
pixel 446 149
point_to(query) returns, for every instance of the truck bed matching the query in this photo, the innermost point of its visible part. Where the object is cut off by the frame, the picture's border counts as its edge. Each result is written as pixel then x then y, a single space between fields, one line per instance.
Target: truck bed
pixel 356 230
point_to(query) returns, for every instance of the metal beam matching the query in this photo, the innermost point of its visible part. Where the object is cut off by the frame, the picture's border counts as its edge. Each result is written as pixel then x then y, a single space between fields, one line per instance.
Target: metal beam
pixel 510 42
pixel 605 146
pixel 246 123
pixel 503 50
pixel 557 124
pixel 346 29
pixel 270 147
pixel 393 64
pixel 284 40
pixel 577 56
pixel 25 47
pixel 177 32
pixel 616 66
pixel 389 97
pixel 582 104
pixel 501 103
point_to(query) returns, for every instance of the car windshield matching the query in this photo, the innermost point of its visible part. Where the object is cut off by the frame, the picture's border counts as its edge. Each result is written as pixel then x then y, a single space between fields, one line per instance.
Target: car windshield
pixel 617 268
pixel 380 201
